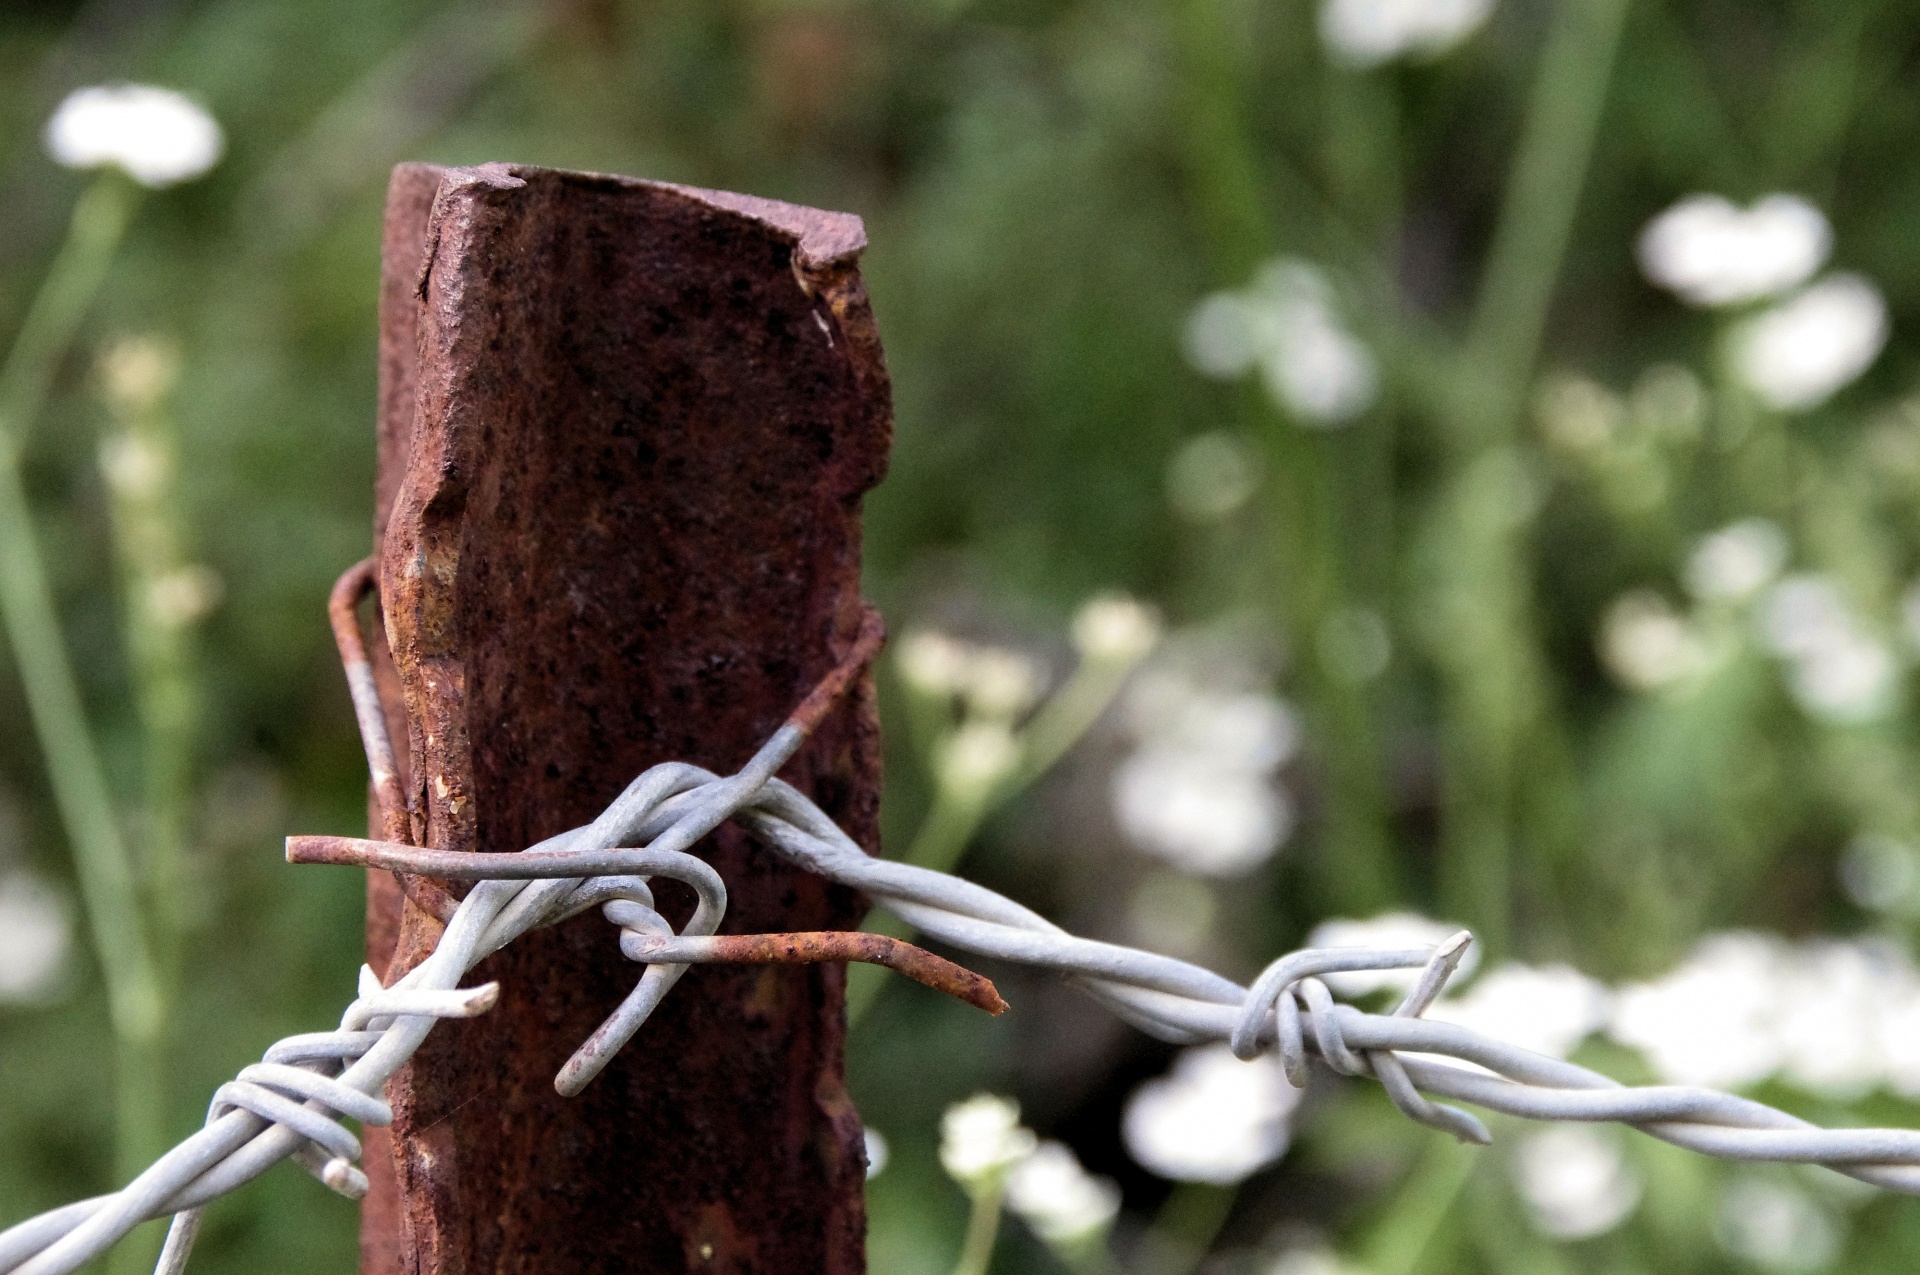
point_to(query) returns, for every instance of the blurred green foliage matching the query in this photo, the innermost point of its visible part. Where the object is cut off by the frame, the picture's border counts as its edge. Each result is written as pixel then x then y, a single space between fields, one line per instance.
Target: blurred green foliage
pixel 1050 188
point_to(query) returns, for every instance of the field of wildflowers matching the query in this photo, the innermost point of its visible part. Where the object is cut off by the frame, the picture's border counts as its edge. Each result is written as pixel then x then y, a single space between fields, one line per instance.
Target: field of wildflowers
pixel 1364 468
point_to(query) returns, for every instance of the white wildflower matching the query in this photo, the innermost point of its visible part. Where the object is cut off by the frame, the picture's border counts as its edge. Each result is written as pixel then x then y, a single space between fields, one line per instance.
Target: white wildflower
pixel 1645 644
pixel 1115 629
pixel 1548 1009
pixel 877 1152
pixel 982 1138
pixel 137 372
pixel 1737 561
pixel 134 468
pixel 1286 326
pixel 1211 477
pixel 932 663
pixel 1836 670
pixel 1002 683
pixel 975 758
pixel 1796 355
pixel 1880 874
pixel 36 933
pixel 1212 1119
pixel 1575 1180
pixel 1366 33
pixel 1712 1020
pixel 1312 1259
pixel 1711 253
pixel 1060 1200
pixel 1388 930
pixel 1776 1226
pixel 1198 792
pixel 1848 683
pixel 1830 1001
pixel 184 595
pixel 1578 415
pixel 159 137
pixel 1183 808
pixel 1803 614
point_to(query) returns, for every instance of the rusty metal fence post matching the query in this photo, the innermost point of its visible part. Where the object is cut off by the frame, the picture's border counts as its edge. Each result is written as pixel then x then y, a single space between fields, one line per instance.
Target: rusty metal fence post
pixel 625 429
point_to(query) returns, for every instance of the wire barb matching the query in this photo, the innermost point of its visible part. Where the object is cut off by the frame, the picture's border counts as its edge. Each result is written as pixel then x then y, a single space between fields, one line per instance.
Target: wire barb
pixel 291 1104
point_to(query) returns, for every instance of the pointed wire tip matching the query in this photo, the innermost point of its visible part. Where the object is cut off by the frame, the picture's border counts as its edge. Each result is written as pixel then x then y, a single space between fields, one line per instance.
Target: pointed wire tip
pixel 482 998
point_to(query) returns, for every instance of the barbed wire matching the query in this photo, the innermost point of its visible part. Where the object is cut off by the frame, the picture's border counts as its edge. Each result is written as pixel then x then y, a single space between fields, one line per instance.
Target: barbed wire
pixel 292 1103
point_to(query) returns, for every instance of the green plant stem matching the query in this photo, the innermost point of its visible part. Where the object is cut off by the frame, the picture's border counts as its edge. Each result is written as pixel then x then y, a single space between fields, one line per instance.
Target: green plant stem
pixel 1188 1223
pixel 107 882
pixel 1498 722
pixel 1536 215
pixel 1421 1208
pixel 983 1231
pixel 1317 522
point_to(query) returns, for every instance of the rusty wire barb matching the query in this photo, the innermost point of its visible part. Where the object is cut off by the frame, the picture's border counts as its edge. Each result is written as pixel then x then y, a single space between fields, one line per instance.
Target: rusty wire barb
pixel 290 1105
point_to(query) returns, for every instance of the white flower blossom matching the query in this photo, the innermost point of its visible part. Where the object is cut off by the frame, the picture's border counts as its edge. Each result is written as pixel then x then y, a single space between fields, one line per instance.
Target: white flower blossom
pixel 877 1152
pixel 159 137
pixel 1213 1119
pixel 1711 253
pixel 982 1138
pixel 1836 1018
pixel 1711 1021
pixel 1313 1258
pixel 1285 325
pixel 1831 1000
pixel 1183 808
pixel 184 595
pixel 1389 930
pixel 932 663
pixel 1115 629
pixel 975 758
pixel 1575 1180
pixel 995 681
pixel 1737 561
pixel 1645 644
pixel 1198 792
pixel 1836 670
pixel 1548 1009
pixel 1365 33
pixel 1060 1200
pixel 36 933
pixel 1796 355
pixel 1880 874
pixel 1002 683
pixel 1775 1226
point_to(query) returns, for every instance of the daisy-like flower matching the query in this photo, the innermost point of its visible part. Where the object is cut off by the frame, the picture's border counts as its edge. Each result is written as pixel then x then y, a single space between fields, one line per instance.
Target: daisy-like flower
pixel 156 136
pixel 1365 33
pixel 1802 351
pixel 1710 253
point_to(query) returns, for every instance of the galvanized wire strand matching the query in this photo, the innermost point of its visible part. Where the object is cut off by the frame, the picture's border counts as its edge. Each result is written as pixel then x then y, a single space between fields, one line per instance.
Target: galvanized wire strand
pixel 1288 1009
pixel 291 1104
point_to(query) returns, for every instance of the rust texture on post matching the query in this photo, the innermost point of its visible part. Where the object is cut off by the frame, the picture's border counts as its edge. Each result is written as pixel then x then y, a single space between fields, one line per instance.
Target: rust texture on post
pixel 625 431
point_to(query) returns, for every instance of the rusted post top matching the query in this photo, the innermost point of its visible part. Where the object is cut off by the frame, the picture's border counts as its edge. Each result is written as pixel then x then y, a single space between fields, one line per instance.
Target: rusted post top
pixel 625 429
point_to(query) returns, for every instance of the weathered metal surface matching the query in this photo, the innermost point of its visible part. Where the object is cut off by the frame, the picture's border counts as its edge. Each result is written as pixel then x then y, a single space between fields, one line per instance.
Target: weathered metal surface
pixel 625 429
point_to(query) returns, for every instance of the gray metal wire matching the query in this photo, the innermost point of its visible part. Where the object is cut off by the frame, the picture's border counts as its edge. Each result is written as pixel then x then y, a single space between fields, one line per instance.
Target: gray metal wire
pixel 291 1104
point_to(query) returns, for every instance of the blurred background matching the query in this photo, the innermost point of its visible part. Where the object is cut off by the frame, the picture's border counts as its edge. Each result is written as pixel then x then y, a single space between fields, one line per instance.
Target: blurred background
pixel 1363 467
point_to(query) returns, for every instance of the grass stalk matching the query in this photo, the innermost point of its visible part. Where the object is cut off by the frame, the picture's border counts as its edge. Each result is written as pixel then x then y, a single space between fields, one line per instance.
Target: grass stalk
pixel 108 884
